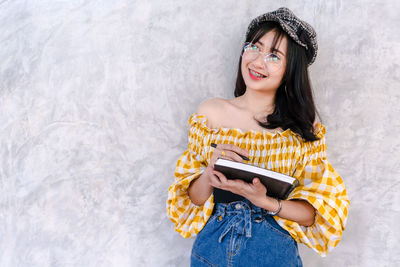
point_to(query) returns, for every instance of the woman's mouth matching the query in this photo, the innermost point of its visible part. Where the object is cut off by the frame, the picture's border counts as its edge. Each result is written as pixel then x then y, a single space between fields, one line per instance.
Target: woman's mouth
pixel 255 75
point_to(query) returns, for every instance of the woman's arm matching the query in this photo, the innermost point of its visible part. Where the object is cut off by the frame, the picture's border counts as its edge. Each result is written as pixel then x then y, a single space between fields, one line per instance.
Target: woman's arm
pixel 297 210
pixel 199 189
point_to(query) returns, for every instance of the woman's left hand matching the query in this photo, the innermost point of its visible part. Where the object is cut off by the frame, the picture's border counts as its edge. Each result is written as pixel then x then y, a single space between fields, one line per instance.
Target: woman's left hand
pixel 255 192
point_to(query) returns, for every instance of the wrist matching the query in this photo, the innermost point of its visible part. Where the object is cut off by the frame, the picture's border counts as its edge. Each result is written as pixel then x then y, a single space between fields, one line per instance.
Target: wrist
pixel 208 172
pixel 269 203
pixel 272 205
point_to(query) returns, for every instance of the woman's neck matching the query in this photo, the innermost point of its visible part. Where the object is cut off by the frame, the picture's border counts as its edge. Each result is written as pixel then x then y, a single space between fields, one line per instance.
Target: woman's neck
pixel 256 102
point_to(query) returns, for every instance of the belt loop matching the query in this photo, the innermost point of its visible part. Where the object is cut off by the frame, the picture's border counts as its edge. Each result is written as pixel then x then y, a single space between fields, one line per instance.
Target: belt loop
pixel 247 222
pixel 223 208
pixel 224 211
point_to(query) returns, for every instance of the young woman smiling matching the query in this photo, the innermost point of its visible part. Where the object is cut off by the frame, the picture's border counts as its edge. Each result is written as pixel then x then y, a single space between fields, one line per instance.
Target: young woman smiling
pixel 272 121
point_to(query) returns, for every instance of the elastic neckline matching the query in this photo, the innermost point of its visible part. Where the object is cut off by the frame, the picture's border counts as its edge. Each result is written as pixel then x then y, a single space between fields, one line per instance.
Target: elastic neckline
pixel 202 119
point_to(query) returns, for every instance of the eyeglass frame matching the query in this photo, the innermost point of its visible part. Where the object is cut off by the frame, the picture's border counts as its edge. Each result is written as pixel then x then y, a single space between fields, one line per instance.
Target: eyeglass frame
pixel 263 53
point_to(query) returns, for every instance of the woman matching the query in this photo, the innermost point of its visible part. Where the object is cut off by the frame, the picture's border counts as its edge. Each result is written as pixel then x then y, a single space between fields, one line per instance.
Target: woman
pixel 272 121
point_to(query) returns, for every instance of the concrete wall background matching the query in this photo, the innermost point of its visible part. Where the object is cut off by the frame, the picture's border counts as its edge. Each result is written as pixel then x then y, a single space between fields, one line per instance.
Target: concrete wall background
pixel 94 101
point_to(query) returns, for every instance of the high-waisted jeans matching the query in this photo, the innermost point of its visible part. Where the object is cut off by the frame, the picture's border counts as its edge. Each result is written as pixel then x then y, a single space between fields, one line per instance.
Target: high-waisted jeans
pixel 242 234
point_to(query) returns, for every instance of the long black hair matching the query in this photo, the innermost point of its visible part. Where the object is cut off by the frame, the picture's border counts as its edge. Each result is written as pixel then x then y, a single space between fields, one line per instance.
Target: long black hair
pixel 294 105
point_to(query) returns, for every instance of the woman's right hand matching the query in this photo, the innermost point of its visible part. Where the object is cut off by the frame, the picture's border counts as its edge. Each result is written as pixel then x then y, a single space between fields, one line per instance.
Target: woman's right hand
pixel 200 189
pixel 231 152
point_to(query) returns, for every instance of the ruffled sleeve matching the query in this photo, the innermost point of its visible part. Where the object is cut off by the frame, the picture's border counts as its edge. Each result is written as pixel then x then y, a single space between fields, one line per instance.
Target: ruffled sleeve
pixel 189 218
pixel 324 189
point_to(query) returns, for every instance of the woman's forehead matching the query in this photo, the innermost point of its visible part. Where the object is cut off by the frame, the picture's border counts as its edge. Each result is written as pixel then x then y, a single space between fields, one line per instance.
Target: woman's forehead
pixel 267 41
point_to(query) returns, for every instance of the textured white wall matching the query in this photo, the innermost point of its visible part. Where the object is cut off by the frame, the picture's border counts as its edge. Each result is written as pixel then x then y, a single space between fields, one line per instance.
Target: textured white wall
pixel 94 101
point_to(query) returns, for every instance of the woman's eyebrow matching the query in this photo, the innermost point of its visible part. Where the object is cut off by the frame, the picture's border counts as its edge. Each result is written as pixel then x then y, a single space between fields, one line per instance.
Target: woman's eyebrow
pixel 273 50
pixel 279 51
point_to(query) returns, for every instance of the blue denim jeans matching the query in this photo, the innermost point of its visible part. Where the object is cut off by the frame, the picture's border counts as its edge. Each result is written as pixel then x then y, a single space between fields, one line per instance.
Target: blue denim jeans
pixel 242 234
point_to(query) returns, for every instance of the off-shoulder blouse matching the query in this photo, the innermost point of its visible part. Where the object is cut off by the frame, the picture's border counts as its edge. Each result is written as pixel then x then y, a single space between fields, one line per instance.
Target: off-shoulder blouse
pixel 280 151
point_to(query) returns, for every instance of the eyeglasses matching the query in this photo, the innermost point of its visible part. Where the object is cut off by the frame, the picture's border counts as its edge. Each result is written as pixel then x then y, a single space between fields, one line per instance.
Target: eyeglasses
pixel 272 62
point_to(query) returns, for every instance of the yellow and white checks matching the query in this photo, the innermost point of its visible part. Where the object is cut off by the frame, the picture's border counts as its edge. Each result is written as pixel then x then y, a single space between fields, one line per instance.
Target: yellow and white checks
pixel 284 152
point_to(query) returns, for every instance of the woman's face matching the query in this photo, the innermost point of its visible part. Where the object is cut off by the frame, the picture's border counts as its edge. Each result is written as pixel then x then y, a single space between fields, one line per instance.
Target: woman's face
pixel 270 80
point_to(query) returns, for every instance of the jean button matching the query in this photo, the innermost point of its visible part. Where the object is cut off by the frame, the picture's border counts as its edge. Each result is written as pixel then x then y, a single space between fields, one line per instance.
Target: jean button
pixel 238 206
pixel 219 218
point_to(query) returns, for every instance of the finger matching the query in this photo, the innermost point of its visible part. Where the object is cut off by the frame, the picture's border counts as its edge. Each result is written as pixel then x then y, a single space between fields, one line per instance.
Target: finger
pixel 214 180
pixel 215 157
pixel 224 183
pixel 256 181
pixel 218 155
pixel 233 156
pixel 236 149
pixel 214 177
pixel 258 184
pixel 221 176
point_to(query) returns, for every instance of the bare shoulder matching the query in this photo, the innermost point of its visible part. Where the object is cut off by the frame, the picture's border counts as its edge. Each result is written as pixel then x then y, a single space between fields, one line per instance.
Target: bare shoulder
pixel 315 124
pixel 213 109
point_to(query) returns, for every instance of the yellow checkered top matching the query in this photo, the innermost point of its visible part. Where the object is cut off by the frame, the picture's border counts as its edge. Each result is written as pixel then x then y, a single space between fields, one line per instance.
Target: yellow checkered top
pixel 285 152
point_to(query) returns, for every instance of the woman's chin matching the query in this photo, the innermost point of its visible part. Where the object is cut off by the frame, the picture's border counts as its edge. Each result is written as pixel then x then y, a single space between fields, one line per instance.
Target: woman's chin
pixel 260 88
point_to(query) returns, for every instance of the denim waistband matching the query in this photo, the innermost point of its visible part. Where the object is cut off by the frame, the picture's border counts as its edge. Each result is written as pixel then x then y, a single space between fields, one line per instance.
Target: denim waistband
pixel 244 212
pixel 237 207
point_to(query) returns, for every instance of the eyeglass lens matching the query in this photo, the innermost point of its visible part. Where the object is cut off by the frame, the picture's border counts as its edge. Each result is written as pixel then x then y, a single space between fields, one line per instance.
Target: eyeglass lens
pixel 272 62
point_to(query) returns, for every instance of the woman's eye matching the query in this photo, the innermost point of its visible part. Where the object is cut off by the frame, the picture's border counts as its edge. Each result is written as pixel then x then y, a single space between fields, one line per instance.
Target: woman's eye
pixel 274 57
pixel 251 48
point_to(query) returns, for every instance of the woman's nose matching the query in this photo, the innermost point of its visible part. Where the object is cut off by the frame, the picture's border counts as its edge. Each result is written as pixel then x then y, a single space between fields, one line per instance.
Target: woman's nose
pixel 259 61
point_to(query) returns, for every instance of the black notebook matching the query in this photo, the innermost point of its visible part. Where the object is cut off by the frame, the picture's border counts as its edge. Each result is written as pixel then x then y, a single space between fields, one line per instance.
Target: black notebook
pixel 278 185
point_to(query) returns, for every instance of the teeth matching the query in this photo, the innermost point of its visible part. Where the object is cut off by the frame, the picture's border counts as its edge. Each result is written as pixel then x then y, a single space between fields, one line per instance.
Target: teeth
pixel 256 74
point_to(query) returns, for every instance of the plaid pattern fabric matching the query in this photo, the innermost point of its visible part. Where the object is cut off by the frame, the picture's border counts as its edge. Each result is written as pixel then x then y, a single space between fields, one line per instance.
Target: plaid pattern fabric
pixel 284 152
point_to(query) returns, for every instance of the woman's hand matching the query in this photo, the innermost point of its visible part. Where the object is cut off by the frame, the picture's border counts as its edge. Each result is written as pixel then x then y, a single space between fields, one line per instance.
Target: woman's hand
pixel 199 189
pixel 225 151
pixel 228 151
pixel 255 192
